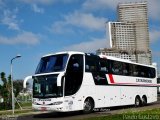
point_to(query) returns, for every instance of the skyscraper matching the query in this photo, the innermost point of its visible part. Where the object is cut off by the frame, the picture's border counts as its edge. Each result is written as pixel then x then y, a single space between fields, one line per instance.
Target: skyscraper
pixel 122 35
pixel 129 36
pixel 137 14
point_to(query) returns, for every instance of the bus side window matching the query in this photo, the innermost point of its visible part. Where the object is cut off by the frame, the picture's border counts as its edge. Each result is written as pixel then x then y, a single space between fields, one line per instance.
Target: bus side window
pixel 90 64
pixel 135 71
pixel 125 68
pixel 103 66
pixel 116 67
pixel 152 72
pixel 141 71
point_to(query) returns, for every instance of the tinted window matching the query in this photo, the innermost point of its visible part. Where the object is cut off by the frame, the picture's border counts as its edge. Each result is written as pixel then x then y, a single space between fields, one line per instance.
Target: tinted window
pixel 53 63
pixel 116 67
pixel 104 66
pixel 98 68
pixel 74 74
pixel 101 65
pixel 91 64
pixel 46 87
pixel 126 69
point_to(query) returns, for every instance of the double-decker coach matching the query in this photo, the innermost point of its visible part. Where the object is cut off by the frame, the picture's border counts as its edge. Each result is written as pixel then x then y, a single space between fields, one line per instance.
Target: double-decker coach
pixel 72 81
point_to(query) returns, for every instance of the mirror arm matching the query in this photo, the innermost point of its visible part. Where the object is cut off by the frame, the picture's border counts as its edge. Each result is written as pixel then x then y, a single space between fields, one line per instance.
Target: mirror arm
pixel 25 81
pixel 59 78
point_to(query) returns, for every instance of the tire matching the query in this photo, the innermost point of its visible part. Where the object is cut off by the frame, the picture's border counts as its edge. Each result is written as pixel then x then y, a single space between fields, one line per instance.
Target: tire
pixel 88 106
pixel 144 101
pixel 137 102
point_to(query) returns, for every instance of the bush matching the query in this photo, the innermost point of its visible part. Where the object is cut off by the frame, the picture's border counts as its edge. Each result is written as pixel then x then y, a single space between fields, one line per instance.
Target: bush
pixel 5 106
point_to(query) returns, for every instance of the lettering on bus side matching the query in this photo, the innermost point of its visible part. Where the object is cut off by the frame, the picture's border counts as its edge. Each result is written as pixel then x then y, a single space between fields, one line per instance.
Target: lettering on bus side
pixel 143 80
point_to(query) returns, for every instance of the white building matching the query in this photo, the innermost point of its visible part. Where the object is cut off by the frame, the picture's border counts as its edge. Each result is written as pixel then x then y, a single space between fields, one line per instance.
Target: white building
pixel 122 35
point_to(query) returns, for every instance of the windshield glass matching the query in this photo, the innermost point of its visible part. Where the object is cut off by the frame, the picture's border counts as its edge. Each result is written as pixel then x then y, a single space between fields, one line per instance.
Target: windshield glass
pixel 46 87
pixel 55 63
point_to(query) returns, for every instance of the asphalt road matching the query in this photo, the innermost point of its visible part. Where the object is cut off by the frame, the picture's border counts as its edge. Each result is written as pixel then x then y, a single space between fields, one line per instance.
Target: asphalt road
pixel 79 115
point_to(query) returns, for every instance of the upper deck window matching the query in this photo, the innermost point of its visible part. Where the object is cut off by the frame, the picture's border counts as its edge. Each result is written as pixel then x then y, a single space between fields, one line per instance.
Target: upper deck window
pixel 54 63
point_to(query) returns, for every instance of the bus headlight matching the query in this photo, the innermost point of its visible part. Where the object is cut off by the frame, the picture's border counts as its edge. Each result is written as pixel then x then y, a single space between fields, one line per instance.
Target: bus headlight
pixel 57 103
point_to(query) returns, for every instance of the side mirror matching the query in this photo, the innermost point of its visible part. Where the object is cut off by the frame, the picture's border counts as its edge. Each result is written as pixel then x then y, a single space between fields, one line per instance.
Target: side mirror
pixel 25 81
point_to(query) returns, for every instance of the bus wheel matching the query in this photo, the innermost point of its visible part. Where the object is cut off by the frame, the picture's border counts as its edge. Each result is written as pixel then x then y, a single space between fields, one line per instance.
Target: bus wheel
pixel 88 106
pixel 137 101
pixel 144 100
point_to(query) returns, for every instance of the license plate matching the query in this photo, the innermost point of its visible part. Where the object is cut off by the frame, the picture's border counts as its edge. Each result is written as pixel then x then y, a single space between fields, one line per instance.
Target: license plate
pixel 43 108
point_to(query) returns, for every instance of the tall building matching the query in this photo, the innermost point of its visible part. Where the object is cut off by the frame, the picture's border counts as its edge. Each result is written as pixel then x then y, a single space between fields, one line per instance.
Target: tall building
pixel 122 35
pixel 129 36
pixel 137 14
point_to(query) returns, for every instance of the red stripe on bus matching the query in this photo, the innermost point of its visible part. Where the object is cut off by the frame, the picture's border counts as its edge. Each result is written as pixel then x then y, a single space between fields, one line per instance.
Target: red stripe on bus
pixel 111 78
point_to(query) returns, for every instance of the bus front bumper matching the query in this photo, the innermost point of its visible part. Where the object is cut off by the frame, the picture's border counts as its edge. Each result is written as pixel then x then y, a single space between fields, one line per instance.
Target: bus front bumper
pixel 57 108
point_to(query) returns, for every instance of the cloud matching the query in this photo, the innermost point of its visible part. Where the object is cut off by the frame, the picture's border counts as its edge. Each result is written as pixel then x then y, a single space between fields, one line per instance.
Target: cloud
pixel 60 27
pixel 9 18
pixel 86 21
pixel 154 11
pixel 36 3
pixel 47 2
pixel 27 38
pixel 89 46
pixel 154 35
pixel 101 4
pixel 94 5
pixel 42 2
pixel 37 9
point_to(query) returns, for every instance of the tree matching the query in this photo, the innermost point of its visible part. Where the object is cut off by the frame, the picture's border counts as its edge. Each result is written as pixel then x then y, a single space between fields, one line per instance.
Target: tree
pixel 5 90
pixel 18 87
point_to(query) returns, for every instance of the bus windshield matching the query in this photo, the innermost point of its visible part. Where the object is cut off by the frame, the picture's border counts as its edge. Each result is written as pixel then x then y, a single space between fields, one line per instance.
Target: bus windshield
pixel 54 63
pixel 46 87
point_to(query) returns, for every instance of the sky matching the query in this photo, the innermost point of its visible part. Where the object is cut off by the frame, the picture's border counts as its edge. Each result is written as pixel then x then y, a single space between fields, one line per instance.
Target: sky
pixel 34 28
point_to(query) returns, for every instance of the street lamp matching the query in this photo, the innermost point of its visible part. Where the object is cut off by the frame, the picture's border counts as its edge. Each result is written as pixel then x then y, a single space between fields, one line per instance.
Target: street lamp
pixel 18 56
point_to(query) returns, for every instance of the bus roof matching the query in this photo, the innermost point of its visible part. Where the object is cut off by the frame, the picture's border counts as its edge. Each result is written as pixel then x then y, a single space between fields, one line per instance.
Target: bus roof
pixel 64 52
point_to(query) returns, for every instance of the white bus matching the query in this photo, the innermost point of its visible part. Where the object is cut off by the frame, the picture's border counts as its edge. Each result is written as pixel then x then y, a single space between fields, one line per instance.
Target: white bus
pixel 72 81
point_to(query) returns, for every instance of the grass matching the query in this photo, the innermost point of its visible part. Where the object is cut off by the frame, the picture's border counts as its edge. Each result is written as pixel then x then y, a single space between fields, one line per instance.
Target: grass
pixel 17 112
pixel 26 108
pixel 26 104
pixel 153 114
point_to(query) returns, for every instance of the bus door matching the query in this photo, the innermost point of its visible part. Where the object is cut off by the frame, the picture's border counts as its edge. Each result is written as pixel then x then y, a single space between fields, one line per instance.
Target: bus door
pixel 73 78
